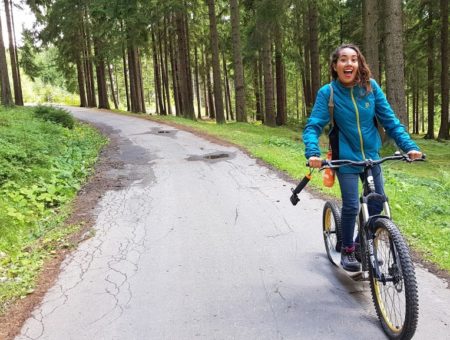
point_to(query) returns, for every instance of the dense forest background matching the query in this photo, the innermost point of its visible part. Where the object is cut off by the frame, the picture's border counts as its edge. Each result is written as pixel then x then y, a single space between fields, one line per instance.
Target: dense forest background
pixel 249 60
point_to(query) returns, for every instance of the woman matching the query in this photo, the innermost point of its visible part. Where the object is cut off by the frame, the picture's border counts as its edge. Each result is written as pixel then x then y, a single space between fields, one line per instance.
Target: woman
pixel 358 99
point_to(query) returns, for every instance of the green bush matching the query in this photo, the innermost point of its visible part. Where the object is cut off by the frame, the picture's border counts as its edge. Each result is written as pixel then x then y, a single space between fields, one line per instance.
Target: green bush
pixel 42 166
pixel 55 115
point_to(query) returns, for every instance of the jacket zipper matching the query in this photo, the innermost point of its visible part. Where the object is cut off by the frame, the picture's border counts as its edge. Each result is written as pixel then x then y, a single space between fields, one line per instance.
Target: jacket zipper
pixel 358 124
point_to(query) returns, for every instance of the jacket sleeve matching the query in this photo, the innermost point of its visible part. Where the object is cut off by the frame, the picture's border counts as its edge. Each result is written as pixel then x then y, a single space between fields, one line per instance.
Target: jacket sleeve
pixel 390 122
pixel 319 118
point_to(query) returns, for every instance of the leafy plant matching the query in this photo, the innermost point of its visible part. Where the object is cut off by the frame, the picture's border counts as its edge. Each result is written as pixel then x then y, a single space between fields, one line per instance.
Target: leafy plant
pixel 55 115
pixel 42 166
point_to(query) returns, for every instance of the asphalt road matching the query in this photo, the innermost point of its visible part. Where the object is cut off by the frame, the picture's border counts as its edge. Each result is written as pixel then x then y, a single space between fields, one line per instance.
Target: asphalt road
pixel 208 247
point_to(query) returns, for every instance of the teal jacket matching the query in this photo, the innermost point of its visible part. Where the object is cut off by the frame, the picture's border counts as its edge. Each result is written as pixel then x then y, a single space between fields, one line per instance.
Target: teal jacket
pixel 354 113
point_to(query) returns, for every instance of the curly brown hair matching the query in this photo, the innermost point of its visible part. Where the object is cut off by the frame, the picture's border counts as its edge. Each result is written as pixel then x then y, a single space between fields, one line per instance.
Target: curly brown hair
pixel 362 76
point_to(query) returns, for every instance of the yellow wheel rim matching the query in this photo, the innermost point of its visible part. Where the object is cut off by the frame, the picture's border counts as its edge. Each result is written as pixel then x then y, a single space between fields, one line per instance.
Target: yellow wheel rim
pixel 328 220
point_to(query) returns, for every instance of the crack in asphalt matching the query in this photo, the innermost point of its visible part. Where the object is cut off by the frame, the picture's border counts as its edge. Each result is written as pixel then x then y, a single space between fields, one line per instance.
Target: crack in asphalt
pixel 269 302
pixel 97 255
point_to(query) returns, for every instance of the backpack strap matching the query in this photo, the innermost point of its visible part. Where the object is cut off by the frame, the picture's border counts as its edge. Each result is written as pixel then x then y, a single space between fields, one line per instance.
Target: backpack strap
pixel 331 106
pixel 333 135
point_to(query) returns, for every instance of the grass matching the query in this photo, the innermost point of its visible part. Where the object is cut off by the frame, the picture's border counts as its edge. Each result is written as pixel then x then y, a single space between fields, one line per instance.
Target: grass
pixel 419 193
pixel 42 166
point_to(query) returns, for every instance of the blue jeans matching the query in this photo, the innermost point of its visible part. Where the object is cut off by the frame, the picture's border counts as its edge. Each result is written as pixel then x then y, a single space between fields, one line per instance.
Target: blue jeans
pixel 350 201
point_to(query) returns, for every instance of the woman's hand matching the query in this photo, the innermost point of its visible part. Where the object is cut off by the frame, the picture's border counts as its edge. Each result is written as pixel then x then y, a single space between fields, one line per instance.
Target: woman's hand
pixel 315 162
pixel 414 154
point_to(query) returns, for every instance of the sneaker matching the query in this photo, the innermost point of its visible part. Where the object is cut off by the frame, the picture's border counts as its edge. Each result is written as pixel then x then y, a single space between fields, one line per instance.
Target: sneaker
pixel 348 260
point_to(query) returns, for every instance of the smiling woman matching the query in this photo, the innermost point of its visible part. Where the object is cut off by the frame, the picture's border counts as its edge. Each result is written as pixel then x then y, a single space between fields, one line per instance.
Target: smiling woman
pixel 350 67
pixel 346 66
pixel 359 102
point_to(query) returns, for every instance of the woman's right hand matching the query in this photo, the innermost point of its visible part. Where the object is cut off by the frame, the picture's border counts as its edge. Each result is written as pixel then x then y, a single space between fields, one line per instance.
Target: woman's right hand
pixel 315 162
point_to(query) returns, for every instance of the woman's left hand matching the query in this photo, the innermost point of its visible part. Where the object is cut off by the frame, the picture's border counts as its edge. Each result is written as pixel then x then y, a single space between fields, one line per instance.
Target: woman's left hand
pixel 414 154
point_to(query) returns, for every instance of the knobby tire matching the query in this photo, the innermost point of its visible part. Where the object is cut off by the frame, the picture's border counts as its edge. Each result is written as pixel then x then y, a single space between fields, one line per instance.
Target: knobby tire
pixel 396 304
pixel 332 230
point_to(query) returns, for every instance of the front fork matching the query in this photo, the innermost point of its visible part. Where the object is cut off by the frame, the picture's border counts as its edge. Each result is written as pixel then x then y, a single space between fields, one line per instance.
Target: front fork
pixel 366 237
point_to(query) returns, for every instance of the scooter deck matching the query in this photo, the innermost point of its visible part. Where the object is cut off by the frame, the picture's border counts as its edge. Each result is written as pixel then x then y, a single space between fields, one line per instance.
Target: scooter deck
pixel 357 276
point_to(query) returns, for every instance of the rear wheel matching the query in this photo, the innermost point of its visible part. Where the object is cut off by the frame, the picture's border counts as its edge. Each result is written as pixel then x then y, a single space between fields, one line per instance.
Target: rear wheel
pixel 395 291
pixel 332 231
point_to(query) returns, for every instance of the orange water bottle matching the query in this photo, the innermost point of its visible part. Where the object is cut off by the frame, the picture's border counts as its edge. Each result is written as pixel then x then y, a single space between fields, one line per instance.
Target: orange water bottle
pixel 328 174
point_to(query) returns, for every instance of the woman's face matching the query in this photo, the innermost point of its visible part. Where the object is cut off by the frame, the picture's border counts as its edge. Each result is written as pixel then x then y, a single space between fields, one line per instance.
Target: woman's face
pixel 347 66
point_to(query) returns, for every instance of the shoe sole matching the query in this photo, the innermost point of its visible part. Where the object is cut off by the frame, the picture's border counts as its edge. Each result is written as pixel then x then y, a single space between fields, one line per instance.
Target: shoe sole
pixel 351 270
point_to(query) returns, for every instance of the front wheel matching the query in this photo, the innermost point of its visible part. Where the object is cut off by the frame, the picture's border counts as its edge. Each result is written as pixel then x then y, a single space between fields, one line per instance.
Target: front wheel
pixel 395 291
pixel 332 231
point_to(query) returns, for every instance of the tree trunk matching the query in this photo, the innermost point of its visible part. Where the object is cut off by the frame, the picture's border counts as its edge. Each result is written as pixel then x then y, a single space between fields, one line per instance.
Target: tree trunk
pixel 186 104
pixel 135 89
pixel 227 88
pixel 103 102
pixel 197 85
pixel 85 65
pixel 133 105
pixel 92 100
pixel 269 118
pixel 314 45
pixel 162 72
pixel 395 69
pixel 159 95
pixel 371 37
pixel 256 88
pixel 218 98
pixel 281 118
pixel 227 107
pixel 125 78
pixel 227 112
pixel 141 80
pixel 101 85
pixel 307 66
pixel 297 111
pixel 430 72
pixel 415 95
pixel 15 48
pixel 423 112
pixel 444 128
pixel 188 65
pixel 166 68
pixel 205 85
pixel 6 96
pixel 211 106
pixel 173 64
pixel 116 83
pixel 80 77
pixel 18 98
pixel 239 83
pixel 111 83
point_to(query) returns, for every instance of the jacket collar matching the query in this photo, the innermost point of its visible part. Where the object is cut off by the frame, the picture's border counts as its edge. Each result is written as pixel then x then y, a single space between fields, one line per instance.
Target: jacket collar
pixel 340 86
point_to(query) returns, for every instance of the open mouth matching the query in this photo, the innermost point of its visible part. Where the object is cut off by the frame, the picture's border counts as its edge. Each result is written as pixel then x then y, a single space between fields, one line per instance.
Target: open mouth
pixel 348 72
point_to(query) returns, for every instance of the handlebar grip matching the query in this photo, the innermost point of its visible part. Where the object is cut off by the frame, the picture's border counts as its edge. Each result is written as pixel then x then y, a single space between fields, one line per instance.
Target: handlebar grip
pixel 324 162
pixel 298 189
pixel 423 158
